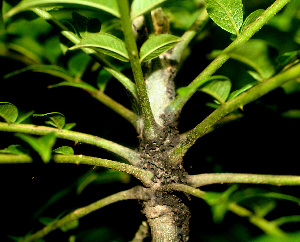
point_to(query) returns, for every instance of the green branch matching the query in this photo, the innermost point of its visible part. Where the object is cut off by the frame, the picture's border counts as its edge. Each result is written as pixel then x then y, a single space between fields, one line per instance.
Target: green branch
pixel 125 81
pixel 252 94
pixel 144 176
pixel 150 126
pixel 14 159
pixel 124 152
pixel 134 193
pixel 222 178
pixel 181 100
pixel 268 227
pixel 130 116
pixel 187 37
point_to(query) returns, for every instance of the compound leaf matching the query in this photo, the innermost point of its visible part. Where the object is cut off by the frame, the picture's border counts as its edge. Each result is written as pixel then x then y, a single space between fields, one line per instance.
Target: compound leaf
pixel 8 112
pixel 157 45
pixel 106 44
pixel 228 14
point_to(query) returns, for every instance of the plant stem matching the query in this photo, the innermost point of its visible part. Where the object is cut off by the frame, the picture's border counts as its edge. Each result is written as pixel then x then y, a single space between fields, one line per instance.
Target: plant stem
pixel 265 225
pixel 117 107
pixel 14 159
pixel 125 81
pixel 187 37
pixel 238 102
pixel 181 100
pixel 150 126
pixel 133 193
pixel 142 175
pixel 221 178
pixel 124 152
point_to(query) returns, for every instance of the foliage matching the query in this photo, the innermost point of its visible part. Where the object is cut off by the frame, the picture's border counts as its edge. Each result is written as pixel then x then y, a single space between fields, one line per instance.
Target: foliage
pixel 149 64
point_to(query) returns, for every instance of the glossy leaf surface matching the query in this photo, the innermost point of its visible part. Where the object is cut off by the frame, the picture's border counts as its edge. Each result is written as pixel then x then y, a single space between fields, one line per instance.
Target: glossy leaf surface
pixel 55 119
pixel 228 14
pixel 157 45
pixel 106 44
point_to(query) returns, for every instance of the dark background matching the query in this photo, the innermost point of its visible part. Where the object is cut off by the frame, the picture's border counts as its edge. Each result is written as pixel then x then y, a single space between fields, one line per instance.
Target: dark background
pixel 261 142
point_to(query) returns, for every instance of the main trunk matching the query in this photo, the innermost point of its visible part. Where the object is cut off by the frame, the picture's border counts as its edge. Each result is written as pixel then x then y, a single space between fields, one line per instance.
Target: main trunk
pixel 166 212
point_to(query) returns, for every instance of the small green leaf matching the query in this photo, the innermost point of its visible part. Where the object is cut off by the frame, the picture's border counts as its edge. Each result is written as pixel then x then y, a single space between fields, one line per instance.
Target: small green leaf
pixel 43 145
pixel 182 91
pixel 55 119
pixel 8 112
pixel 65 150
pixel 218 87
pixel 69 126
pixel 139 7
pixel 251 18
pixel 241 90
pixel 255 53
pixel 81 85
pixel 73 224
pixel 228 14
pixel 106 44
pixel 23 116
pixel 157 45
pixel 219 203
pixel 15 149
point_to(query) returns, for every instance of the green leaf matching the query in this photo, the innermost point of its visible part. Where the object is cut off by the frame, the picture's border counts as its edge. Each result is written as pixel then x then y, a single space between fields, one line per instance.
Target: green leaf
pixel 110 6
pixel 241 90
pixel 106 44
pixel 85 25
pixel 82 85
pixel 251 18
pixel 107 176
pixel 55 119
pixel 48 69
pixel 23 116
pixel 228 14
pixel 65 150
pixel 218 87
pixel 73 224
pixel 8 112
pixel 69 126
pixel 157 45
pixel 139 7
pixel 219 202
pixel 255 53
pixel 15 149
pixel 43 145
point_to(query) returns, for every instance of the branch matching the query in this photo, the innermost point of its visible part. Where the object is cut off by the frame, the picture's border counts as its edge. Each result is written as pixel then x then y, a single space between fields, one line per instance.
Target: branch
pixel 180 100
pixel 252 94
pixel 14 159
pixel 130 116
pixel 144 176
pixel 221 178
pixel 124 152
pixel 133 193
pixel 125 81
pixel 187 37
pixel 268 227
pixel 150 126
